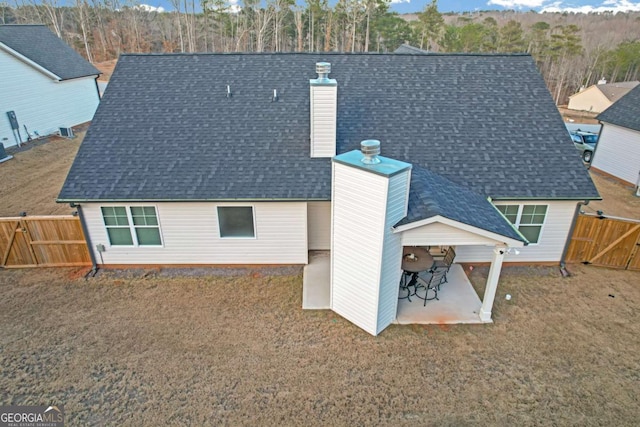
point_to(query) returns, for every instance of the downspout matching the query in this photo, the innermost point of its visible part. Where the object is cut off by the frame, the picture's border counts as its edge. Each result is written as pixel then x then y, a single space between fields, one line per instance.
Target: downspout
pixel 563 269
pixel 98 87
pixel 94 264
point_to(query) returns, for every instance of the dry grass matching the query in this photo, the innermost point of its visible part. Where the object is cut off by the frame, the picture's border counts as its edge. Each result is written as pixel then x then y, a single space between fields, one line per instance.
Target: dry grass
pixel 617 199
pixel 32 180
pixel 136 350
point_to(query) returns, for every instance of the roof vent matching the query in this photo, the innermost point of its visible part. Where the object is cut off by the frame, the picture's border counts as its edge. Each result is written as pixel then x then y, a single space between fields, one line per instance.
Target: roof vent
pixel 370 148
pixel 323 69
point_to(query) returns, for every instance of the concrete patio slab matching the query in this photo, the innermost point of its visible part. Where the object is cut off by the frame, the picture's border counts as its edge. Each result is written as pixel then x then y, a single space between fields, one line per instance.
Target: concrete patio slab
pixel 458 303
pixel 316 286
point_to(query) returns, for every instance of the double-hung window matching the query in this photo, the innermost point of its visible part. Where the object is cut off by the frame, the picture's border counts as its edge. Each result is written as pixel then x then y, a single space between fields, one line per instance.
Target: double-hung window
pixel 528 219
pixel 132 225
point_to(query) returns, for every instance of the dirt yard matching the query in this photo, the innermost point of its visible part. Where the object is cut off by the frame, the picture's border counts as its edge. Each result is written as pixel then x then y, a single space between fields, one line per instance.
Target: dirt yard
pixel 32 180
pixel 617 199
pixel 143 349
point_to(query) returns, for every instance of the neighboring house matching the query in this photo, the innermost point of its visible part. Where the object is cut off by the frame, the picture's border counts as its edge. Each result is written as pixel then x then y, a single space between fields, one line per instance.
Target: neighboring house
pixel 251 159
pixel 44 82
pixel 598 98
pixel 408 49
pixel 618 149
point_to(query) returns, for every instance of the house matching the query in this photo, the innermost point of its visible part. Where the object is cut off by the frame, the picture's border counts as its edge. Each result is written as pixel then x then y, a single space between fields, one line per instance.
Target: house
pixel 411 50
pixel 599 97
pixel 618 150
pixel 253 159
pixel 45 84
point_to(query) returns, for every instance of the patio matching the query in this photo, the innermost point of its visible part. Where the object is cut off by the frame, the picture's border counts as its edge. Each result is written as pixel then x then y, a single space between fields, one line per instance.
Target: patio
pixel 458 301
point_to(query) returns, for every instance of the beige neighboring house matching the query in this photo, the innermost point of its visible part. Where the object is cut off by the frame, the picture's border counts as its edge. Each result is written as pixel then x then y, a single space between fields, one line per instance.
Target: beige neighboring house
pixel 599 97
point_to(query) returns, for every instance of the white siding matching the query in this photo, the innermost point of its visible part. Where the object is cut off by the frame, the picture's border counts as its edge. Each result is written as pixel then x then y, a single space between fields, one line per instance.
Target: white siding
pixel 191 236
pixel 618 152
pixel 396 209
pixel 438 234
pixel 366 254
pixel 41 103
pixel 324 104
pixel 359 201
pixel 552 239
pixel 319 225
pixel 591 99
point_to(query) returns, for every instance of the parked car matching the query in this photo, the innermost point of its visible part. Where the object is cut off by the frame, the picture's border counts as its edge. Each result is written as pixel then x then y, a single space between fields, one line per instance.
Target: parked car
pixel 585 142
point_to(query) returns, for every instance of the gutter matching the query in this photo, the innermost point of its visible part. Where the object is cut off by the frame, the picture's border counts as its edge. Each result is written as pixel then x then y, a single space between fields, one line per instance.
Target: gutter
pixel 94 264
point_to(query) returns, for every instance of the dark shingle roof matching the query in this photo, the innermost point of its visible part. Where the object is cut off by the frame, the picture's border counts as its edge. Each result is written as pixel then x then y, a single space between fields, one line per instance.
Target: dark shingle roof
pixel 432 195
pixel 615 91
pixel 483 121
pixel 41 46
pixel 625 112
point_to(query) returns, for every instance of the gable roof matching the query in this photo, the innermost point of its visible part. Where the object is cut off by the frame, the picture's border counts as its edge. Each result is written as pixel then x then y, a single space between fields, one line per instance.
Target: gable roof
pixel 614 91
pixel 38 44
pixel 486 122
pixel 625 112
pixel 431 195
pixel 407 48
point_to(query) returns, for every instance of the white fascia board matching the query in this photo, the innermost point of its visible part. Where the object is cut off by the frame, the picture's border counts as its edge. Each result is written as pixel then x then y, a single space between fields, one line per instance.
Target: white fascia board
pixel 461 226
pixel 29 62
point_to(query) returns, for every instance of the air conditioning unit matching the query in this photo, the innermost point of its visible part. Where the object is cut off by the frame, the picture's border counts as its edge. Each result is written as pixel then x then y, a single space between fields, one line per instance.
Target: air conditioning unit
pixel 66 132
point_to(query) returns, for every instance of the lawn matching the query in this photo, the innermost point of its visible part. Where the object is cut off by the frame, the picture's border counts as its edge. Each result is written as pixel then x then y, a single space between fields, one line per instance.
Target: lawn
pixel 145 348
pixel 32 180
pixel 201 348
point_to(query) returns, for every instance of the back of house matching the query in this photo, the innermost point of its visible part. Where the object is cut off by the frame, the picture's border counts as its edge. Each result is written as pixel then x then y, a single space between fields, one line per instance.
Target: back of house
pixel 211 162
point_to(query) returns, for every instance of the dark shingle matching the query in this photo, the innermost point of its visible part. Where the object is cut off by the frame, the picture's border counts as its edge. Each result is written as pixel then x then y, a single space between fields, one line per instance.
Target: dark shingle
pixel 41 46
pixel 625 112
pixel 483 121
pixel 432 195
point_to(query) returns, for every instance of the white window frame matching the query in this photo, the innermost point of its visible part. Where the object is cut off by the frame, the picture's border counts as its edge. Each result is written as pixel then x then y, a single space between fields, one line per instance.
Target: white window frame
pixel 253 214
pixel 519 217
pixel 132 227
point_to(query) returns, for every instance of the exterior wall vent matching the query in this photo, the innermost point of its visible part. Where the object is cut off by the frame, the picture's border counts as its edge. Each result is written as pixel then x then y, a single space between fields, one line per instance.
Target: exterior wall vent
pixel 370 149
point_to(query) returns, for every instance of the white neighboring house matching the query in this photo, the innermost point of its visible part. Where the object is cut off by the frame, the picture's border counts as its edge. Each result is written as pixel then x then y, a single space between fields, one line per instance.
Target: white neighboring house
pixel 599 97
pixel 618 149
pixel 44 82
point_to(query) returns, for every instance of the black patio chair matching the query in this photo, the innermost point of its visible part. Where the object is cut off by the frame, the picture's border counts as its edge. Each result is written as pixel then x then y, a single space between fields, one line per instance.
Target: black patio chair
pixel 406 282
pixel 445 263
pixel 430 282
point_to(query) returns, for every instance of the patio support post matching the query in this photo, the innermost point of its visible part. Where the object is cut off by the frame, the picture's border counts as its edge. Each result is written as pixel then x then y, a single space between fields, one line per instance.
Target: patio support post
pixel 492 283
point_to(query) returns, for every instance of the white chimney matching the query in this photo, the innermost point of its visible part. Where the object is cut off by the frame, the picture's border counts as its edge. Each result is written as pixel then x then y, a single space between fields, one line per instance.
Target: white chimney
pixel 370 195
pixel 602 81
pixel 324 106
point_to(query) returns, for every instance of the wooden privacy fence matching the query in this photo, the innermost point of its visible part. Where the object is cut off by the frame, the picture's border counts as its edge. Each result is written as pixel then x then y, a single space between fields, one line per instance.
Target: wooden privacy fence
pixel 42 241
pixel 607 242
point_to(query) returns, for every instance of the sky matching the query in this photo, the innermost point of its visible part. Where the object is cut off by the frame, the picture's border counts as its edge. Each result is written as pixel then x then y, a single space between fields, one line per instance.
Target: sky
pixel 409 6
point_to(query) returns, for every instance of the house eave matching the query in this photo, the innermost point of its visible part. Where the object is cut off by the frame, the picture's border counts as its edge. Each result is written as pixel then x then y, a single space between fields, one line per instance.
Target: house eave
pixel 160 200
pixel 29 62
pixel 462 226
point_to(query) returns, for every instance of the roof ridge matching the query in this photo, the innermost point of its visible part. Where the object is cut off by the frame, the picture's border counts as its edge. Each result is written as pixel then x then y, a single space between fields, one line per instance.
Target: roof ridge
pixel 462 54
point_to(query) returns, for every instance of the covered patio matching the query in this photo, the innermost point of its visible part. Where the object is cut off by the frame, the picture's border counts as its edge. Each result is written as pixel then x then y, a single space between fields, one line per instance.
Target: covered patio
pixel 457 302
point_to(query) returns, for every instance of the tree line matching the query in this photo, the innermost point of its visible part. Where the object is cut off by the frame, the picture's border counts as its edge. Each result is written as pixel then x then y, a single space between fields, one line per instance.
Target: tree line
pixel 102 29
